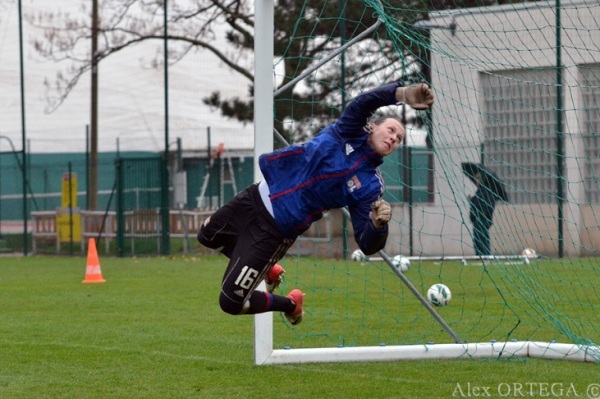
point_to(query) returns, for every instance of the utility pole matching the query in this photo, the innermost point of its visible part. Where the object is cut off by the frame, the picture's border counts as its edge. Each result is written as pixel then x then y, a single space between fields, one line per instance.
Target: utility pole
pixel 23 132
pixel 93 178
pixel 166 243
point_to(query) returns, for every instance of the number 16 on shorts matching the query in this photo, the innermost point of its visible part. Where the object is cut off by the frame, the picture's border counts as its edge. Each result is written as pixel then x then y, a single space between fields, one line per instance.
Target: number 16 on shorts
pixel 246 278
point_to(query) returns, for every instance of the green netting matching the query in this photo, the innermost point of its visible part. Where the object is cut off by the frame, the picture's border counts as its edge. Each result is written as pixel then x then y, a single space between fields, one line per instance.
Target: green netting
pixel 516 94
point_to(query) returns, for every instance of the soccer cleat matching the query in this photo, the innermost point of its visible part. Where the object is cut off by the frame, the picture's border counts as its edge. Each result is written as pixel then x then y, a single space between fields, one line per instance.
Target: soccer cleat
pixel 297 297
pixel 274 278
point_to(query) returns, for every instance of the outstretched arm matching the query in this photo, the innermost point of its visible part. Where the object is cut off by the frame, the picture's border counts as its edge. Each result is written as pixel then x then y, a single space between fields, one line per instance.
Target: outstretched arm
pixel 356 115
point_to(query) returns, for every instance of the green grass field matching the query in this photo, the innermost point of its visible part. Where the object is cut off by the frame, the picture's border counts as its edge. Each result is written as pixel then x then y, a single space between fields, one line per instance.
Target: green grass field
pixel 354 303
pixel 155 330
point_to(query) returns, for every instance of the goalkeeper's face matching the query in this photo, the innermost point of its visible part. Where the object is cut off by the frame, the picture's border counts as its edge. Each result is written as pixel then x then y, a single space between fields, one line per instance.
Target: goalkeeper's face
pixel 386 136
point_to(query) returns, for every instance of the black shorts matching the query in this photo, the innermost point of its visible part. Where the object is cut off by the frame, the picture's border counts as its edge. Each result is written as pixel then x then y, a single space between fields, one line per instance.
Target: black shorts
pixel 244 231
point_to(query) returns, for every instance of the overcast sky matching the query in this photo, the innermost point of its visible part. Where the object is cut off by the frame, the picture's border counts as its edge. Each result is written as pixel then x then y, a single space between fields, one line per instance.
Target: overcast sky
pixel 131 96
pixel 131 99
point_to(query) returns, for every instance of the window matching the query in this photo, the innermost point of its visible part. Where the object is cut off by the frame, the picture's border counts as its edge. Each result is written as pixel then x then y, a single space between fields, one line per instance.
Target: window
pixel 404 180
pixel 520 136
pixel 590 96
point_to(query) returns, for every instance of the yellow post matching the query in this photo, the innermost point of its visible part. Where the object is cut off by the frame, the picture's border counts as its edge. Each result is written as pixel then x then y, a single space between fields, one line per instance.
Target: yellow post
pixel 68 203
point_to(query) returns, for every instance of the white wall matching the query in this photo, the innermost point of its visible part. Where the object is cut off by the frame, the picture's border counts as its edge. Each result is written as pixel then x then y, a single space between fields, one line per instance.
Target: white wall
pixel 495 39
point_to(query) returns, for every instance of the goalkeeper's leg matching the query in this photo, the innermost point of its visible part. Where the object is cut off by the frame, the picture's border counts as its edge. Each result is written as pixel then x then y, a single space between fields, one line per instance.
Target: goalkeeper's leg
pixel 256 252
pixel 246 233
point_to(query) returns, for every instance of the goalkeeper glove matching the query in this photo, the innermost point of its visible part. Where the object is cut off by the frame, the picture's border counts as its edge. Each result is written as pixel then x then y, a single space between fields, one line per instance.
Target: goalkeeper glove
pixel 419 97
pixel 381 213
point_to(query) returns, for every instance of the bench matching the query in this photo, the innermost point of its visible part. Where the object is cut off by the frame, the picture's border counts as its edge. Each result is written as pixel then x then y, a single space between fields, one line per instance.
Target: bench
pixel 92 222
pixel 145 223
pixel 186 223
pixel 43 229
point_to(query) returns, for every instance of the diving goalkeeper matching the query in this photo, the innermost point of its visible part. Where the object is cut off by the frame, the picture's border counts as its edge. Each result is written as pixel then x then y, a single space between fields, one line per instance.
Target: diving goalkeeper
pixel 337 168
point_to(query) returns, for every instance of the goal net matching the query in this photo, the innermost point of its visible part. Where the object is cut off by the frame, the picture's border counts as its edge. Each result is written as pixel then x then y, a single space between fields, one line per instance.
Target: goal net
pixel 495 192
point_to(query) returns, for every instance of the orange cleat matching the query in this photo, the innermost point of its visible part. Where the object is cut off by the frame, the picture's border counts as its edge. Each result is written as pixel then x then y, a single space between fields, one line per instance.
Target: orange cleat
pixel 274 278
pixel 297 297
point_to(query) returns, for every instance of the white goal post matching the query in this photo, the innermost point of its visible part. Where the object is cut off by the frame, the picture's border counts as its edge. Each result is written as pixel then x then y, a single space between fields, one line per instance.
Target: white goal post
pixel 486 350
pixel 265 354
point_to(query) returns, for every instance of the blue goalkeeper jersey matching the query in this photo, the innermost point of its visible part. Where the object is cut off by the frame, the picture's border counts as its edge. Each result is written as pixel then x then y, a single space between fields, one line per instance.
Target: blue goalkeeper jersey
pixel 335 169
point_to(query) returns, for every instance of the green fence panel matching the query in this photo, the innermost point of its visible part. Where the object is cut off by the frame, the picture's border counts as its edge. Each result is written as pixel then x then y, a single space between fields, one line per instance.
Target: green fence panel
pixel 138 203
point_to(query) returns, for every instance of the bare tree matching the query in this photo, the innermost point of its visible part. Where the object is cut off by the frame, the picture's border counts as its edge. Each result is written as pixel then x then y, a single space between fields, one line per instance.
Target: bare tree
pixel 193 25
pixel 126 23
pixel 304 31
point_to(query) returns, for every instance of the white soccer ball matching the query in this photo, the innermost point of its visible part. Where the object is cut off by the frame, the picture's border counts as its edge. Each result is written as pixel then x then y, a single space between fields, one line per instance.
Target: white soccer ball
pixel 359 256
pixel 439 295
pixel 401 263
pixel 529 253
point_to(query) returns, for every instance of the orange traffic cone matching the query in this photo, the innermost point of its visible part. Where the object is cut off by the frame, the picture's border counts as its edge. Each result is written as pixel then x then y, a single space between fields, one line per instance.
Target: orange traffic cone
pixel 93 274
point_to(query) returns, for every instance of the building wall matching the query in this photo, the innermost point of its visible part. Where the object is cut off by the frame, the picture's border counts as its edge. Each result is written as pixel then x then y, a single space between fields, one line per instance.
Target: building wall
pixel 491 40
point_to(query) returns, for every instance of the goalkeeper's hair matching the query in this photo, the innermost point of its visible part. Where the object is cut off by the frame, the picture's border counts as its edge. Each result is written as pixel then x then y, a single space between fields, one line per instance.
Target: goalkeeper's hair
pixel 378 120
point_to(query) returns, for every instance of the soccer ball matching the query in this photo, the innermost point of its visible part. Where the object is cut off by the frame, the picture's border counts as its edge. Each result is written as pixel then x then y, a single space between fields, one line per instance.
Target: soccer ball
pixel 529 253
pixel 439 295
pixel 401 263
pixel 359 256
